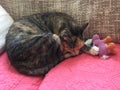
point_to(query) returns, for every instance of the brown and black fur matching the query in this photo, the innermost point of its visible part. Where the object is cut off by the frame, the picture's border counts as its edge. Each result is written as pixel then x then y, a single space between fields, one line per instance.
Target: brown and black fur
pixel 32 47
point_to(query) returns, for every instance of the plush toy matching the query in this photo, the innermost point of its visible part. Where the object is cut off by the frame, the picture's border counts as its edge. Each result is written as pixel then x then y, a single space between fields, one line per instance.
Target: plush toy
pixel 106 46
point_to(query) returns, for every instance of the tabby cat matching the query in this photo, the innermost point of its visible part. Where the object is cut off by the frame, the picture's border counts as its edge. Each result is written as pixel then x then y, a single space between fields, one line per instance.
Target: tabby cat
pixel 38 42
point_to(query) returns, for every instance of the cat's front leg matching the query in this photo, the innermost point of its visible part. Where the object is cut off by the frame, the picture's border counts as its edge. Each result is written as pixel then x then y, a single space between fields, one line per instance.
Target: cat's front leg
pixel 94 50
pixel 57 38
pixel 89 48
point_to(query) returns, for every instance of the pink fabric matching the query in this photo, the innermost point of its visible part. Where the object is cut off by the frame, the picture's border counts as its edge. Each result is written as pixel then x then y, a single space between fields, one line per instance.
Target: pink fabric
pixel 10 79
pixel 83 72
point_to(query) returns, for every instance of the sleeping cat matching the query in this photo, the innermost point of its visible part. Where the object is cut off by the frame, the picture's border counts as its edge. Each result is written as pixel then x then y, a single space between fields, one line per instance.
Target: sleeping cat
pixel 38 42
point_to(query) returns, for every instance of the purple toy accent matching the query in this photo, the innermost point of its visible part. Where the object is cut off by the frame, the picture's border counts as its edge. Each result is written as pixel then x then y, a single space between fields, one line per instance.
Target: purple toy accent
pixel 100 44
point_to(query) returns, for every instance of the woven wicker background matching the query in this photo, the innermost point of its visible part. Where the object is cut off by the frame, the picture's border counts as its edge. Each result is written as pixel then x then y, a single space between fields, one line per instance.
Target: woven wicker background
pixel 103 15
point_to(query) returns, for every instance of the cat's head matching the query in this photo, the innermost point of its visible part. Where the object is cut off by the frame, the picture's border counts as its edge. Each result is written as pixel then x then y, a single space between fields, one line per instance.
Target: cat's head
pixel 72 41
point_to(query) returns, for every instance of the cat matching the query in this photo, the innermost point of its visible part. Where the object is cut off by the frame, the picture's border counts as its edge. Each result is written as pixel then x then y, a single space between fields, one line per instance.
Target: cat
pixel 38 42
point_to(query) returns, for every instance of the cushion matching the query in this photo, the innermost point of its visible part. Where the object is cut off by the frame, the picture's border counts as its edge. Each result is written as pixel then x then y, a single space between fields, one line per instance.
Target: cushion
pixel 5 22
pixel 103 16
pixel 83 72
pixel 10 79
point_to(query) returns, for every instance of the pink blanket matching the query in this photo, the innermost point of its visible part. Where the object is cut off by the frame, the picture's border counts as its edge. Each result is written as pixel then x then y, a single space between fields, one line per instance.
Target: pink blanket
pixel 10 79
pixel 83 72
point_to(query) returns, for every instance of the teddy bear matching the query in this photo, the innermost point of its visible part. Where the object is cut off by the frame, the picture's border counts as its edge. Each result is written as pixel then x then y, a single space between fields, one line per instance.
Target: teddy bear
pixel 106 46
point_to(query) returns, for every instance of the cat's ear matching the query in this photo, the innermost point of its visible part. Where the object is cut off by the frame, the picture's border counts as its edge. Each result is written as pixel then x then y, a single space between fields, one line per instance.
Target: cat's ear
pixel 83 27
pixel 78 31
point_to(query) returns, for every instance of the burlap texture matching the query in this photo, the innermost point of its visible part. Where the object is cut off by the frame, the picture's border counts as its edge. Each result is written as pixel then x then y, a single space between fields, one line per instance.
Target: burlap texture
pixel 103 15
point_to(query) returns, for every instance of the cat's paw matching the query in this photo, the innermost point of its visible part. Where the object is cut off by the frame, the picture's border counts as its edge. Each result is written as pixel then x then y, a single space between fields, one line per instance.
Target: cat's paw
pixel 94 50
pixel 56 38
pixel 88 42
